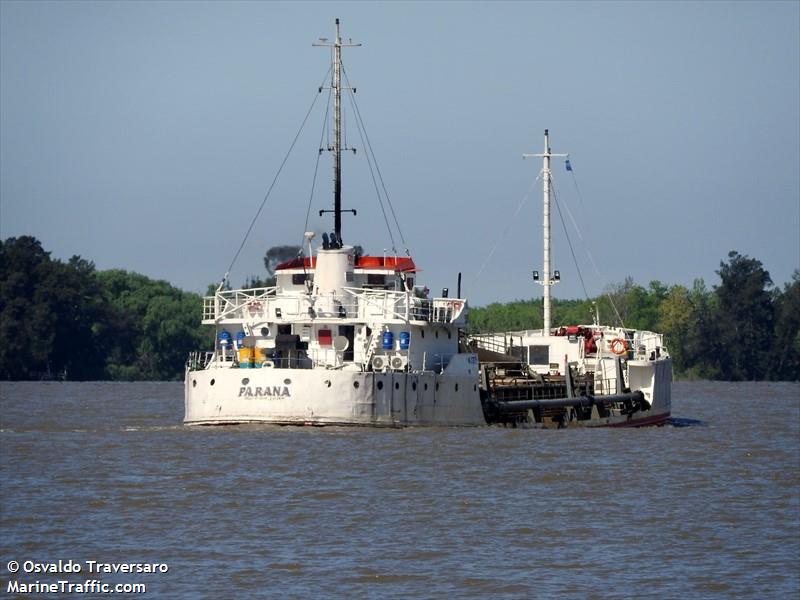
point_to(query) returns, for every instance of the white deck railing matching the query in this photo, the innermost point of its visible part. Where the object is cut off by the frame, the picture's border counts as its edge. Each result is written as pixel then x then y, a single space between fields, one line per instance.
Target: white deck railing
pixel 363 304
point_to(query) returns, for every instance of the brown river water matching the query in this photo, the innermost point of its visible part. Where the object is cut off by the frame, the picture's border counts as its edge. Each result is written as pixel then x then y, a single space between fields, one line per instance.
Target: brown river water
pixel 708 507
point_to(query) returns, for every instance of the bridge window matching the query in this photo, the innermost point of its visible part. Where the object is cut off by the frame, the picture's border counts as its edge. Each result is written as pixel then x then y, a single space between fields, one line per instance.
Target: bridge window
pixel 299 278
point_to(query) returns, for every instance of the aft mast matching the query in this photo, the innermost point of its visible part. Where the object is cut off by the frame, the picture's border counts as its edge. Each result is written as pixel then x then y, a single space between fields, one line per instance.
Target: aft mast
pixel 547 279
pixel 336 87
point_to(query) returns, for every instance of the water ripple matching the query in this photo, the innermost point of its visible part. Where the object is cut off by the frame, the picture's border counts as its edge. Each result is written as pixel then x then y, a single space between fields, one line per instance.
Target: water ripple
pixel 707 508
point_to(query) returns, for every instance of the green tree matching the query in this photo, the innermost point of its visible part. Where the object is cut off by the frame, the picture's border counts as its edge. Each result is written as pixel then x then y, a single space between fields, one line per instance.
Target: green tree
pixel 746 317
pixel 74 295
pixel 26 334
pixel 613 304
pixel 785 356
pixel 154 325
pixel 675 323
pixel 169 332
pixel 47 312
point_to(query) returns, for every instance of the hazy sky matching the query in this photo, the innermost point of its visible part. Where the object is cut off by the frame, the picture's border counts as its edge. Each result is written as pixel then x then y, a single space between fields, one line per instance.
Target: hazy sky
pixel 144 135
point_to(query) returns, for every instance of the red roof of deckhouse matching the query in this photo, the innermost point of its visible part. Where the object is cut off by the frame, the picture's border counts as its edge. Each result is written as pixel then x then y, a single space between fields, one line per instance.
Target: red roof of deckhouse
pixel 388 263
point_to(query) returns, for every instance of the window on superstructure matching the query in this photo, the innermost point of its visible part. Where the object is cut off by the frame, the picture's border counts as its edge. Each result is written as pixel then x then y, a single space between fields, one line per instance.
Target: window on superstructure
pixel 373 279
pixel 299 278
pixel 539 355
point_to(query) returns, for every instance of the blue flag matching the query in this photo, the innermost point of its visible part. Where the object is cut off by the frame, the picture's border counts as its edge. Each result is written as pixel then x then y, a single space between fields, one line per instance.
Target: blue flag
pixel 569 166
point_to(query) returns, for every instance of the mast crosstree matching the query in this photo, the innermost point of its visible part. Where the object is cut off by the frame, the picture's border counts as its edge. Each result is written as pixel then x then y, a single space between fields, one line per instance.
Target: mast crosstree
pixel 547 280
pixel 336 86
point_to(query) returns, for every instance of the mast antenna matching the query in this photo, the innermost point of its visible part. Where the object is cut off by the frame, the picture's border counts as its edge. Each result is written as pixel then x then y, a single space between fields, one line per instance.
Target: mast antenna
pixel 547 280
pixel 336 86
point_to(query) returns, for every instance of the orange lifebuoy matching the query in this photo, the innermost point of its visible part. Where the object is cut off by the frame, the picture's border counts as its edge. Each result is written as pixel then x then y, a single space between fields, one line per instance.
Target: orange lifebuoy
pixel 619 346
pixel 456 305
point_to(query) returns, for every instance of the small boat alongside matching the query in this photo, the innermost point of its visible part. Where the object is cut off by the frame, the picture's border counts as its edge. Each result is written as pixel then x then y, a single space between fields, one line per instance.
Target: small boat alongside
pixel 350 339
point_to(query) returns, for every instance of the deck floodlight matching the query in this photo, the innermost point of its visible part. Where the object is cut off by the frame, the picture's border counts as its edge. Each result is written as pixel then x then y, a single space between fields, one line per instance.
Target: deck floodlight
pixel 557 275
pixel 445 292
pixel 536 275
pixel 277 313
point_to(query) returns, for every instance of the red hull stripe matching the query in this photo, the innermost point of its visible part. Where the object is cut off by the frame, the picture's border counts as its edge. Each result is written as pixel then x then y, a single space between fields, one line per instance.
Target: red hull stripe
pixel 654 420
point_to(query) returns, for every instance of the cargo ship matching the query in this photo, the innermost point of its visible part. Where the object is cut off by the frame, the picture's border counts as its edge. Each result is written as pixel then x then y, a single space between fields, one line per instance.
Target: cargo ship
pixel 356 340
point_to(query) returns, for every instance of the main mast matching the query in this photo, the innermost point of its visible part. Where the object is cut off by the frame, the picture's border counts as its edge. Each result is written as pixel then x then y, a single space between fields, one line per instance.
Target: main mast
pixel 547 280
pixel 336 87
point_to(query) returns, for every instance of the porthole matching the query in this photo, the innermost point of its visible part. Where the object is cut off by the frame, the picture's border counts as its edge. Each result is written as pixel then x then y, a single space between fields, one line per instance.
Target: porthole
pixel 426 387
pixel 265 331
pixel 475 388
pixel 380 385
pixel 414 386
pixel 194 382
pixel 437 386
pixel 397 385
pixel 437 335
pixel 287 381
pixel 456 387
pixel 422 331
pixel 355 384
pixel 212 382
pixel 449 335
pixel 245 381
pixel 327 383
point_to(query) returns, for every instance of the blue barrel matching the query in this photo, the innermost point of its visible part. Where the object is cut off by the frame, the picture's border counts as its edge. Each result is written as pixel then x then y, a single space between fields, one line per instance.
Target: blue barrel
pixel 224 338
pixel 240 335
pixel 388 340
pixel 405 340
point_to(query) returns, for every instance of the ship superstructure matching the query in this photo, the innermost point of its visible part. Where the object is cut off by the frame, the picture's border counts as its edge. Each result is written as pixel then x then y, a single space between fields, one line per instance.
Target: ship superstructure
pixel 340 339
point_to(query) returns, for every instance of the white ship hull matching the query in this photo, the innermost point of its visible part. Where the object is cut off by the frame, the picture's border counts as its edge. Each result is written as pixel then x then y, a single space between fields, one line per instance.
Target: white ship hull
pixel 391 399
pixel 332 397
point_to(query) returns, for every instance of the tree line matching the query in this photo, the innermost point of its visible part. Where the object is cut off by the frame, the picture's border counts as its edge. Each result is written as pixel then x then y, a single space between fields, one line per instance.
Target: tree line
pixel 67 320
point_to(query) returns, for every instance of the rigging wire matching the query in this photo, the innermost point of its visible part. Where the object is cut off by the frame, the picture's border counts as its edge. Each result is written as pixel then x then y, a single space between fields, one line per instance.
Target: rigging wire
pixel 316 168
pixel 569 241
pixel 577 189
pixel 375 183
pixel 505 231
pixel 586 249
pixel 272 185
pixel 375 160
